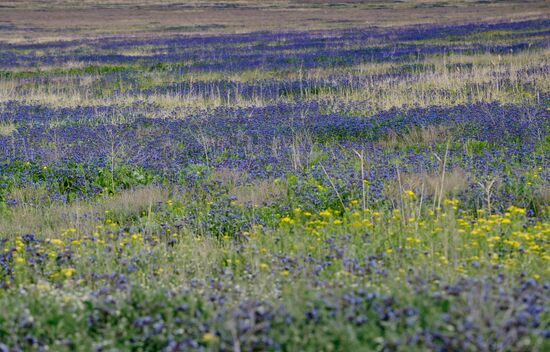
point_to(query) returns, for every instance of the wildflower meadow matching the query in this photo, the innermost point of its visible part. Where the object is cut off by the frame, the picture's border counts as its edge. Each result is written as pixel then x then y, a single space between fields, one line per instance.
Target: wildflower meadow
pixel 320 181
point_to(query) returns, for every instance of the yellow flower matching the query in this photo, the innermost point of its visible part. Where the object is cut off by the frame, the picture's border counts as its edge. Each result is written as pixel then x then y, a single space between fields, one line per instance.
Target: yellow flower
pixel 337 222
pixel 287 220
pixel 68 272
pixel 209 337
pixel 410 193
pixel 534 247
pixel 57 242
pixel 264 266
pixel 367 223
pixel 512 243
pixel 43 286
pixel 450 201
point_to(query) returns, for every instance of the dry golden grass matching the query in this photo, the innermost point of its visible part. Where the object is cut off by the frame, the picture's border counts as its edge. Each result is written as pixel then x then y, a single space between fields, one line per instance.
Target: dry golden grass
pixel 544 192
pixel 6 129
pixel 260 193
pixel 428 184
pixel 437 84
pixel 35 213
pixel 66 19
pixel 228 177
pixel 257 193
pixel 422 137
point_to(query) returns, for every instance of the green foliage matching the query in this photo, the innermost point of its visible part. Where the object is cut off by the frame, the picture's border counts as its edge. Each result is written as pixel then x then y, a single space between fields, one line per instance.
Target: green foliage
pixel 476 147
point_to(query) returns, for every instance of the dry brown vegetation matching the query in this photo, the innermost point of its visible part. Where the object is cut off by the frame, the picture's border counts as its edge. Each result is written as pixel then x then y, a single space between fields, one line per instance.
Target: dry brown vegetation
pixel 418 137
pixel 36 214
pixel 260 193
pixel 436 84
pixel 257 193
pixel 68 19
pixel 428 184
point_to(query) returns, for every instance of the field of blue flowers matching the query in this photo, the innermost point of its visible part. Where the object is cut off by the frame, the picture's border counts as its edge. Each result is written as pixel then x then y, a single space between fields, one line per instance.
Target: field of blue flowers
pixel 361 189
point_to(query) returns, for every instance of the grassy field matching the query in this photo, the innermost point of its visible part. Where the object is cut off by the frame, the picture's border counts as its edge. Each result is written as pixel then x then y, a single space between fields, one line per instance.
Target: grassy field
pixel 282 176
